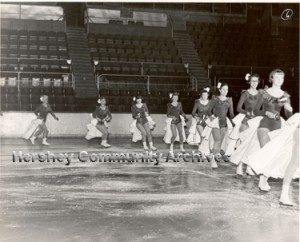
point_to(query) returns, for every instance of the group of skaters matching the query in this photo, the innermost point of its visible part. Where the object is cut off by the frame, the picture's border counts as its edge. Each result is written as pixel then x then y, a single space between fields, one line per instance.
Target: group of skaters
pixel 258 137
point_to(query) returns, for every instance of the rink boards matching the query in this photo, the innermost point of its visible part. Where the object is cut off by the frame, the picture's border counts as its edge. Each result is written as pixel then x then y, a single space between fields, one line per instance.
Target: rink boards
pixel 14 124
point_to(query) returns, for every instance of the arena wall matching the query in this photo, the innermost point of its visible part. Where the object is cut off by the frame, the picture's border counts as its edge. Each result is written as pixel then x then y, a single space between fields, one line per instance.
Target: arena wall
pixel 14 124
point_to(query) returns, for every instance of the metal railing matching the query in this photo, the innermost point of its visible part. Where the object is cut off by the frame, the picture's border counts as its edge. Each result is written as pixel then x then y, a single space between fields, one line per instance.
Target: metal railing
pixel 32 59
pixel 170 21
pixel 20 80
pixel 141 65
pixel 142 62
pixel 63 63
pixel 144 84
pixel 26 83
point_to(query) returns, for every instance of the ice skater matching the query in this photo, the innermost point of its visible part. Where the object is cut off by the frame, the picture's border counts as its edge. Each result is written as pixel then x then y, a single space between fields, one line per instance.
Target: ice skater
pixel 102 115
pixel 41 113
pixel 142 122
pixel 175 123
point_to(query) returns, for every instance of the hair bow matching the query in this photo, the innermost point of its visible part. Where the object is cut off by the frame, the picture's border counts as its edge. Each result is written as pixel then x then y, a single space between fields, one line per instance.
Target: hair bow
pixel 247 77
pixel 43 97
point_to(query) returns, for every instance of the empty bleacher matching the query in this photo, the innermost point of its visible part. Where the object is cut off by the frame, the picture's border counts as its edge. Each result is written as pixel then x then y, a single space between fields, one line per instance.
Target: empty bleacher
pixel 35 63
pixel 123 54
pixel 33 51
pixel 132 59
pixel 229 44
pixel 26 95
pixel 285 47
pixel 129 65
pixel 232 50
pixel 237 47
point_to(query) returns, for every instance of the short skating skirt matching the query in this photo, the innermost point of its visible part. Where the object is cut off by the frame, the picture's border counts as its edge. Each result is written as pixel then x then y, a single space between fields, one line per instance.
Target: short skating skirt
pixel 273 159
pixel 168 131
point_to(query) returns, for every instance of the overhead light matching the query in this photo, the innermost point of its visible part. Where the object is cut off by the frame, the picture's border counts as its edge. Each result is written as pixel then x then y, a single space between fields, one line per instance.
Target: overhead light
pixel 69 61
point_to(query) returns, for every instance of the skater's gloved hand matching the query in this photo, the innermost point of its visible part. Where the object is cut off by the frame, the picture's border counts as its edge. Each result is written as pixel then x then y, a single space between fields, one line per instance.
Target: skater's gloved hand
pixel 138 115
pixel 277 116
pixel 270 115
pixel 249 114
pixel 233 124
pixel 107 119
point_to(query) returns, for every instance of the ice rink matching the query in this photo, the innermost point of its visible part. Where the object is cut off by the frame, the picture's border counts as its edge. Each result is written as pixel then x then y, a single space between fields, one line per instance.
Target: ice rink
pixel 171 201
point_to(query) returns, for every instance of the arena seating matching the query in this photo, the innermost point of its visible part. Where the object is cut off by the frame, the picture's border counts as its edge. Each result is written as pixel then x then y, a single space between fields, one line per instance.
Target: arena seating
pixel 231 44
pixel 240 45
pixel 27 97
pixel 233 48
pixel 128 61
pixel 287 41
pixel 121 54
pixel 35 63
pixel 37 50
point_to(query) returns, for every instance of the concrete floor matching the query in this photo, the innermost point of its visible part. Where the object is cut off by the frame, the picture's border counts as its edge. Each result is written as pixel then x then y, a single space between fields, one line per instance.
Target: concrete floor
pixel 173 201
